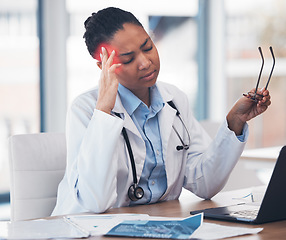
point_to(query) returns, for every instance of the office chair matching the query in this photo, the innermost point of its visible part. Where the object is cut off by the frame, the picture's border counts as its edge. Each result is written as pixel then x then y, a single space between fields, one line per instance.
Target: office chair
pixel 37 165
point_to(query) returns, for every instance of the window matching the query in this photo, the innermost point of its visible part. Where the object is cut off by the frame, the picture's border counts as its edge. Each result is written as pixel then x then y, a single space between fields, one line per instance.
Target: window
pixel 19 81
pixel 250 24
pixel 176 40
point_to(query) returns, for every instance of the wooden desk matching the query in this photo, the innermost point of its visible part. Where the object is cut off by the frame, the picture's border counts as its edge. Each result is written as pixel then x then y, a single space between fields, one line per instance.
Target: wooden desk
pixel 261 154
pixel 188 202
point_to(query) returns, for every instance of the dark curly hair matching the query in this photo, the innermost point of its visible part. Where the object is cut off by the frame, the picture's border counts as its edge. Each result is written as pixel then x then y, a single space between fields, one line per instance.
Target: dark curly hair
pixel 101 27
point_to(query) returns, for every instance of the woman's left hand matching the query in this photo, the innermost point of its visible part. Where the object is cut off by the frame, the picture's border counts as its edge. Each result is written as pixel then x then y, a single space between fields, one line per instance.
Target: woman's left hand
pixel 246 108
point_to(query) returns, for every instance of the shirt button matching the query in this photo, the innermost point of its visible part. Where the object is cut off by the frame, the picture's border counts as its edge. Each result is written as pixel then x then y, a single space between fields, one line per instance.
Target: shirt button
pixel 158 152
pixel 153 182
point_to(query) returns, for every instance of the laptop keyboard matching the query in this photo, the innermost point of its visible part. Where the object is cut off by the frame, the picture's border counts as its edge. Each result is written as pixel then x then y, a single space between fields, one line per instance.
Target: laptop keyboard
pixel 249 214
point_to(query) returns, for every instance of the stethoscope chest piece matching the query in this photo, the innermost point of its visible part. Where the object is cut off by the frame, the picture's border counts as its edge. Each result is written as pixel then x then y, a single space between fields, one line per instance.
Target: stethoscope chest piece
pixel 135 192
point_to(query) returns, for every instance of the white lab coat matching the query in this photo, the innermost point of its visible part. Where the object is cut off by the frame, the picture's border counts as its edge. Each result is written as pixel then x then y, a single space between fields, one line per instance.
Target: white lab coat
pixel 99 173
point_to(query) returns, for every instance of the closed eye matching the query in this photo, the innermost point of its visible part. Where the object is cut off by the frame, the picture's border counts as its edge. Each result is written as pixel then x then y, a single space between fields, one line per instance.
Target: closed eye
pixel 148 49
pixel 128 61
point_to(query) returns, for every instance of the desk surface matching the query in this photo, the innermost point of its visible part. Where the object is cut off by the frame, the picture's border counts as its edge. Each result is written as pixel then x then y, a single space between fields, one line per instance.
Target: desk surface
pixel 188 202
pixel 261 154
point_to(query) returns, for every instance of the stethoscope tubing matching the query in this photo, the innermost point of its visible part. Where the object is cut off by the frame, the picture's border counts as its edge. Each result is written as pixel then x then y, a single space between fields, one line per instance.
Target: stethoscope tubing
pixel 134 173
pixel 130 152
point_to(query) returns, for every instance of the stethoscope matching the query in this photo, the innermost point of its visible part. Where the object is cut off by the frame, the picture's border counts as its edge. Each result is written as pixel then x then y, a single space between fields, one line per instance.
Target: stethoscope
pixel 135 192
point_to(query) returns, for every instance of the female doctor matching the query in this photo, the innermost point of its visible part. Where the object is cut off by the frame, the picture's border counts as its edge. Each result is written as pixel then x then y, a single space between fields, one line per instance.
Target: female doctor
pixel 134 140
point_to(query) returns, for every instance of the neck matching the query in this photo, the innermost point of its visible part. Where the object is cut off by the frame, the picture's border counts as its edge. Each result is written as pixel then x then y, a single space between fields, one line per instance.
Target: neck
pixel 144 96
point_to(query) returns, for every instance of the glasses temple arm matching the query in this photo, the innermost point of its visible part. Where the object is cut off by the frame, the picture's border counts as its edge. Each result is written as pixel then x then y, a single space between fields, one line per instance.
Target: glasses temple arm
pixel 272 53
pixel 260 51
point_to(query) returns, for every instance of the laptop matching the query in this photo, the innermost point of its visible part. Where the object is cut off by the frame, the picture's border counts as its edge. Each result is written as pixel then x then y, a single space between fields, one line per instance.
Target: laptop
pixel 273 205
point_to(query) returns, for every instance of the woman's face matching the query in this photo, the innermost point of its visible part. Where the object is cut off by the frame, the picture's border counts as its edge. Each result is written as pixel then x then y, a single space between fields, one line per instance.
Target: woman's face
pixel 138 56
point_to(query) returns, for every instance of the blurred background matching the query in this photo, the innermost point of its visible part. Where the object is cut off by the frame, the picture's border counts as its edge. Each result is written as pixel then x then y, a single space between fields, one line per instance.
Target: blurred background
pixel 208 48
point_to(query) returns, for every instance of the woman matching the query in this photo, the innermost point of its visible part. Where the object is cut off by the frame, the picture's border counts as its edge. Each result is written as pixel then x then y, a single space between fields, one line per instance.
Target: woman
pixel 171 150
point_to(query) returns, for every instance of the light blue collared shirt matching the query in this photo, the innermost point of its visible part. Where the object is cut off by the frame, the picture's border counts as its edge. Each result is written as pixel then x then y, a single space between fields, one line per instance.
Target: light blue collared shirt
pixel 153 179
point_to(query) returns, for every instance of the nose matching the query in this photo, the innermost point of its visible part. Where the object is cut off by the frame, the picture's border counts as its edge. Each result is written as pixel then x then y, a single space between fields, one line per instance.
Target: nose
pixel 144 62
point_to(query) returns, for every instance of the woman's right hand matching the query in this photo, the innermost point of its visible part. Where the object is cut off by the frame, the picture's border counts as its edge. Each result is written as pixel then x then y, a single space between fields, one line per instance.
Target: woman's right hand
pixel 108 83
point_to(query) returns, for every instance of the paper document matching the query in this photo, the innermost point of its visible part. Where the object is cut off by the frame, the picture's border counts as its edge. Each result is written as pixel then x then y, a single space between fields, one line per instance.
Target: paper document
pixel 174 229
pixel 81 226
pixel 40 229
pixel 216 231
pixel 100 224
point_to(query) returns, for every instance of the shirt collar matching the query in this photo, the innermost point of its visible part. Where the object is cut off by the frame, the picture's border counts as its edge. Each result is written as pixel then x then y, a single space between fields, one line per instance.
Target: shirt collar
pixel 131 102
pixel 157 102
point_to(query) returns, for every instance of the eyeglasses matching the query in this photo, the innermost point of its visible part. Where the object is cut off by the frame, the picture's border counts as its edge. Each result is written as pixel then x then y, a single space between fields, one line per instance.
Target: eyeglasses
pixel 255 96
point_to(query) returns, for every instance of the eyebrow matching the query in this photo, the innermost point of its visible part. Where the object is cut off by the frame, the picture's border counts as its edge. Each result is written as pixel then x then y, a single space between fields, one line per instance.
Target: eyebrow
pixel 142 45
pixel 147 39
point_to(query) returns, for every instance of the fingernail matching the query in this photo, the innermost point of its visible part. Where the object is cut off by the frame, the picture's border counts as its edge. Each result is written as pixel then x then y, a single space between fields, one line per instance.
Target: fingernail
pixel 102 49
pixel 100 56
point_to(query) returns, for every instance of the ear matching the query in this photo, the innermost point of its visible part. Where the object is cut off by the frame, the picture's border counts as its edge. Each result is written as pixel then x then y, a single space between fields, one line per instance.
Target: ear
pixel 99 64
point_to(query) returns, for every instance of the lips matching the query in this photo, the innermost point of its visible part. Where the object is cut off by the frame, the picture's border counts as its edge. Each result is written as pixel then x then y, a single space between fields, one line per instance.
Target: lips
pixel 148 76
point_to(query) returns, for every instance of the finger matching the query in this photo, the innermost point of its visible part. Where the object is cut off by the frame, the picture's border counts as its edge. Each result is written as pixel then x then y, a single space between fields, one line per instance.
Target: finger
pixel 104 56
pixel 266 93
pixel 265 102
pixel 115 66
pixel 252 90
pixel 265 98
pixel 263 92
pixel 109 61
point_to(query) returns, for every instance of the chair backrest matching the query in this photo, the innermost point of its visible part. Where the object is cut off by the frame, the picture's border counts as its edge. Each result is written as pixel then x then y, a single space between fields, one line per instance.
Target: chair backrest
pixel 37 165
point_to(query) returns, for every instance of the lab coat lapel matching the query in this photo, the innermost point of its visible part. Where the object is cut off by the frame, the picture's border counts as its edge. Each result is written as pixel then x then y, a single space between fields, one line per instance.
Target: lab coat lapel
pixel 138 149
pixel 166 119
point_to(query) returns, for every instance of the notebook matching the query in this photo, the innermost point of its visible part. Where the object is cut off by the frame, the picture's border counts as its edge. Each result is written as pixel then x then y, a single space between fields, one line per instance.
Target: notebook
pixel 272 207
